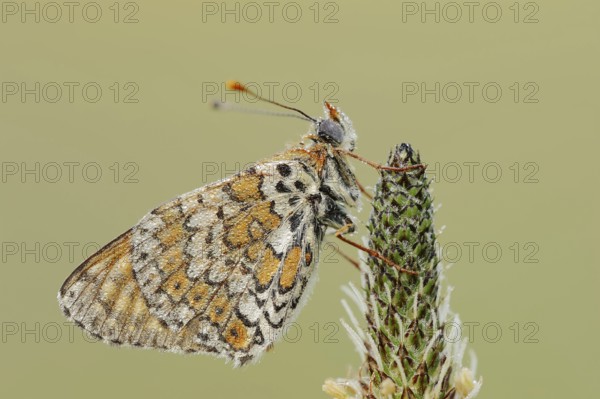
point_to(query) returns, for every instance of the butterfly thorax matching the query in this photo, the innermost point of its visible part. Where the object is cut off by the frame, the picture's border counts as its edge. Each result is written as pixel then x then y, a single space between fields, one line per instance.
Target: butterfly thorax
pixel 339 190
pixel 335 184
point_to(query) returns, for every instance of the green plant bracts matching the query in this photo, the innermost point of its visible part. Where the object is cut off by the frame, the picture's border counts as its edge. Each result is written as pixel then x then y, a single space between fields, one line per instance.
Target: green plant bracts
pixel 405 353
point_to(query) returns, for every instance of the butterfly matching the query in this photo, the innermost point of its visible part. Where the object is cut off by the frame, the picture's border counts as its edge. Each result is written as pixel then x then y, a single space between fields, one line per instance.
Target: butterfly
pixel 221 269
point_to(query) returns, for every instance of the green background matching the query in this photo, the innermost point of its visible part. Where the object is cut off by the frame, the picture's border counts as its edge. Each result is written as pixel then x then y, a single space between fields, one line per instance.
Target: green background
pixel 369 56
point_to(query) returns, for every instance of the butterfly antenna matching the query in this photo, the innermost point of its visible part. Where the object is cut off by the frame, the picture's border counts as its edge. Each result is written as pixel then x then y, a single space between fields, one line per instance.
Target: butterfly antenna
pixel 235 85
pixel 218 105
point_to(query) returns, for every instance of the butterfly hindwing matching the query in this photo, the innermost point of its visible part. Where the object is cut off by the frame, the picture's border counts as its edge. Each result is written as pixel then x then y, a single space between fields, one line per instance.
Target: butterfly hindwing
pixel 218 270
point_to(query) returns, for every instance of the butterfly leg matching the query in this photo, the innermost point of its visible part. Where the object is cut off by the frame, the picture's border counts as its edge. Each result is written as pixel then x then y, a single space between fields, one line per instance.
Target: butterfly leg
pixel 364 190
pixel 349 228
pixel 351 260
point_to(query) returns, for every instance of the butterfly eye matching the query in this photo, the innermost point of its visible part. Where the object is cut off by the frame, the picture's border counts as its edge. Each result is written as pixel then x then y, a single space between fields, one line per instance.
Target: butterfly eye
pixel 331 132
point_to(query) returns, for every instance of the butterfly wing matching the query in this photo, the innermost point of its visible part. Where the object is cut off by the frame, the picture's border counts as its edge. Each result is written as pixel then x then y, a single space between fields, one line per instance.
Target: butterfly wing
pixel 217 270
pixel 103 297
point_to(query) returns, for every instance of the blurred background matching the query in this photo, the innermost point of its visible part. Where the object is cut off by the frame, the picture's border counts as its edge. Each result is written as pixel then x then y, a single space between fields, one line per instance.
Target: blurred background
pixel 106 112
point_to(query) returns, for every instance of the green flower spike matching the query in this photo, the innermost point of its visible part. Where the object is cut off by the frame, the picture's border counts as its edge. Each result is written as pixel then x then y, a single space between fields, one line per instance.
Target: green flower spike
pixel 404 350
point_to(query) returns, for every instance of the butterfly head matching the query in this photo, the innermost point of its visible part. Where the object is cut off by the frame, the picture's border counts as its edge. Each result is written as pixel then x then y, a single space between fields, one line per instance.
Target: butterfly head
pixel 336 128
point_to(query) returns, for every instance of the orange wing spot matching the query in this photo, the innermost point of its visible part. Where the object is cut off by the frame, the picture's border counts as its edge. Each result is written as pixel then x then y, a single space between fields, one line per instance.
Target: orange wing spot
pixel 219 309
pixel 267 268
pixel 246 188
pixel 246 229
pixel 199 295
pixel 254 250
pixel 290 267
pixel 171 259
pixel 307 258
pixel 238 235
pixel 171 235
pixel 263 214
pixel 176 285
pixel 237 335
